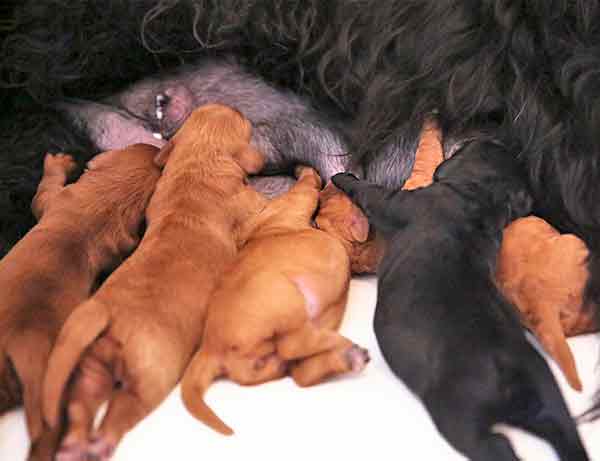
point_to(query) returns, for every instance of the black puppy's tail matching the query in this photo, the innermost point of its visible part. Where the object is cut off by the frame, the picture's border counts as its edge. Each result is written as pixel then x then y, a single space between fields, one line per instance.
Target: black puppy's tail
pixel 534 402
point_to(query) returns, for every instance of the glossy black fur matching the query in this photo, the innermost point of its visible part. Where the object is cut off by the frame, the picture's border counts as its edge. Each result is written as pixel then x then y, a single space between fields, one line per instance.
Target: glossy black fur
pixel 442 325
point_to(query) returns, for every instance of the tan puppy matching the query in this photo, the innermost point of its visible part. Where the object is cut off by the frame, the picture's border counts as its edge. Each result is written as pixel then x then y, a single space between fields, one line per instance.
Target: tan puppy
pixel 277 308
pixel 428 157
pixel 131 341
pixel 84 228
pixel 544 274
pixel 340 217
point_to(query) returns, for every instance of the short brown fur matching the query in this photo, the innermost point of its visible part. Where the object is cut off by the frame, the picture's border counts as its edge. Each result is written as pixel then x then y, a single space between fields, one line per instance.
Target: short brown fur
pixel 277 308
pixel 131 341
pixel 544 274
pixel 84 228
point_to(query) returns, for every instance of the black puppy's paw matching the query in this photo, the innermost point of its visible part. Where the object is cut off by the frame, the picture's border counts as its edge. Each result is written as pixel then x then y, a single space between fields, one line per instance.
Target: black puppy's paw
pixel 344 181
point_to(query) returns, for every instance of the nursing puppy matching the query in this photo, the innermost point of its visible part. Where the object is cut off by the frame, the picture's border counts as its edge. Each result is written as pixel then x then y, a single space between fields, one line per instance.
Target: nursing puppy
pixel 450 335
pixel 544 273
pixel 84 228
pixel 277 308
pixel 131 341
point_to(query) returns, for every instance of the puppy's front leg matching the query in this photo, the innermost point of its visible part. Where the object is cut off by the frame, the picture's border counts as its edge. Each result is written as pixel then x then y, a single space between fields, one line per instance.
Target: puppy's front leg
pixel 376 202
pixel 56 170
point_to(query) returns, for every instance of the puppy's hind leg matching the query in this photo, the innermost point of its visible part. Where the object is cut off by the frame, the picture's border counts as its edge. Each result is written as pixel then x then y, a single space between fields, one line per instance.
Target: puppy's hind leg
pixel 460 419
pixel 91 385
pixel 320 354
pixel 56 170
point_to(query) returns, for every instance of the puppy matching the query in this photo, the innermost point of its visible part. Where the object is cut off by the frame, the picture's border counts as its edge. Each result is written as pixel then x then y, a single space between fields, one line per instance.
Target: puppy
pixel 442 325
pixel 131 341
pixel 339 216
pixel 277 308
pixel 84 228
pixel 335 208
pixel 544 274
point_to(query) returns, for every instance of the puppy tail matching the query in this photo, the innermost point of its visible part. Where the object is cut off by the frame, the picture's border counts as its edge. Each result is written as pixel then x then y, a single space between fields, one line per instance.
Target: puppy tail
pixel 559 350
pixel 202 371
pixel 80 330
pixel 28 352
pixel 535 403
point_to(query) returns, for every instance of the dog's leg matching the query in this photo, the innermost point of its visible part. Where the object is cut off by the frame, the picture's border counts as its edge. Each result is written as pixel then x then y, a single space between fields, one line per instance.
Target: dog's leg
pixel 320 353
pixel 374 200
pixel 44 448
pixel 470 432
pixel 91 385
pixel 314 370
pixel 56 169
pixel 299 204
pixel 307 187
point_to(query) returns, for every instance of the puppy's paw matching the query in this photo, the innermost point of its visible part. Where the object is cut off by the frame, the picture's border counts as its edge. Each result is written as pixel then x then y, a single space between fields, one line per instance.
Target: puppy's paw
pixel 357 358
pixel 344 180
pixel 72 452
pixel 303 171
pixel 59 164
pixel 100 449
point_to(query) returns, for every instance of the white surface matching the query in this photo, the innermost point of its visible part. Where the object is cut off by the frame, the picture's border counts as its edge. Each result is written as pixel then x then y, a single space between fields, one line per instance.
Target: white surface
pixel 371 416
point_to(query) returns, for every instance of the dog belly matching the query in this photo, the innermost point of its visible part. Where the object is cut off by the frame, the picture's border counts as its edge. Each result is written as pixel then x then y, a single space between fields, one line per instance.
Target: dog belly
pixel 287 129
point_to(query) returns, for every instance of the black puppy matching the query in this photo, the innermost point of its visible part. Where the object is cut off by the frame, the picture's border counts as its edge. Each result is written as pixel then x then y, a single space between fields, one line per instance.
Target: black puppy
pixel 442 325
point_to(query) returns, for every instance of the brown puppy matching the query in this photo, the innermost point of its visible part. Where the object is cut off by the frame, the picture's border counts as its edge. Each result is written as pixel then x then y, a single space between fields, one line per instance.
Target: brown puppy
pixel 277 308
pixel 544 274
pixel 339 216
pixel 131 341
pixel 428 157
pixel 84 228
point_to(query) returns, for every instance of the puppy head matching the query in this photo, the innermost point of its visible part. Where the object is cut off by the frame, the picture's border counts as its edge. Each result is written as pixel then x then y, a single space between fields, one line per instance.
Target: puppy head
pixel 216 128
pixel 341 218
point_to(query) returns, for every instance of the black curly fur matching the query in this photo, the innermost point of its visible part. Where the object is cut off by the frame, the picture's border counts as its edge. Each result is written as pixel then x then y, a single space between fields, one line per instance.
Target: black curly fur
pixel 526 70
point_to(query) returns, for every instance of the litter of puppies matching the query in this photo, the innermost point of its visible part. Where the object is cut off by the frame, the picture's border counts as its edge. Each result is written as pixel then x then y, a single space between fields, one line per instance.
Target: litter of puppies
pixel 210 291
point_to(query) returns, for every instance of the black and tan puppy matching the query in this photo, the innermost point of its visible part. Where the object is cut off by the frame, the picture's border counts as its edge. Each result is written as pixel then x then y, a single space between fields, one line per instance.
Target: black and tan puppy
pixel 442 325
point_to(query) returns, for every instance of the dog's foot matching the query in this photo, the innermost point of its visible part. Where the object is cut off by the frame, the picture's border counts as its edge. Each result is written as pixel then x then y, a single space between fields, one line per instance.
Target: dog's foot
pixel 100 450
pixel 357 358
pixel 59 165
pixel 343 180
pixel 72 452
pixel 308 174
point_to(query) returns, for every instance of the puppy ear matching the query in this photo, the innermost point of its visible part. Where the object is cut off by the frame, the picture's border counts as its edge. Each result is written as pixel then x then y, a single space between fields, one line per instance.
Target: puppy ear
pixel 250 159
pixel 163 155
pixel 358 225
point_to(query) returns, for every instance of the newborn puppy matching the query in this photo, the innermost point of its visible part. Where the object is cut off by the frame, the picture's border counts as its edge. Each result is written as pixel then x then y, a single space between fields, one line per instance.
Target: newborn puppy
pixel 277 308
pixel 335 206
pixel 442 325
pixel 84 228
pixel 339 216
pixel 129 344
pixel 544 274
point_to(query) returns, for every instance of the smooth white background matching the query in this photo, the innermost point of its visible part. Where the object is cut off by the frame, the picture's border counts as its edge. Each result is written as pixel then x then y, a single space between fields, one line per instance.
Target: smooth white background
pixel 370 416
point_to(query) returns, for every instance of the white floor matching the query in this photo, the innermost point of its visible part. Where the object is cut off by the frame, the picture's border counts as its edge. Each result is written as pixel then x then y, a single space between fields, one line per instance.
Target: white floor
pixel 372 416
